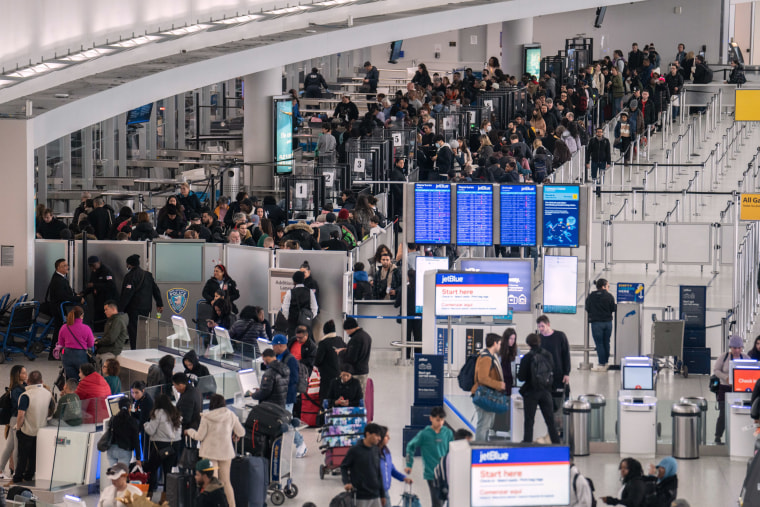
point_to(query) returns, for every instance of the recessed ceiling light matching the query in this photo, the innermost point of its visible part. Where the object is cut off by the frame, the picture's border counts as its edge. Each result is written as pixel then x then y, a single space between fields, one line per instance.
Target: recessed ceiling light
pixel 87 55
pixel 311 31
pixel 238 19
pixel 186 30
pixel 332 3
pixel 136 41
pixel 37 69
pixel 288 10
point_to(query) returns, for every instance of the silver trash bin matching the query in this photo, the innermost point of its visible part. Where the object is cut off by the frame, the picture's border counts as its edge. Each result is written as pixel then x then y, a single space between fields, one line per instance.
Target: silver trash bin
pixel 702 404
pixel 685 430
pixel 596 418
pixel 576 414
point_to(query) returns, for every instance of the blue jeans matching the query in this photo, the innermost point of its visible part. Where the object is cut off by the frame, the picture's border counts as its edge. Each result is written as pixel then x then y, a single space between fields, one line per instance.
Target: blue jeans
pixel 617 105
pixel 118 455
pixel 597 168
pixel 298 437
pixel 72 360
pixel 601 331
pixel 484 424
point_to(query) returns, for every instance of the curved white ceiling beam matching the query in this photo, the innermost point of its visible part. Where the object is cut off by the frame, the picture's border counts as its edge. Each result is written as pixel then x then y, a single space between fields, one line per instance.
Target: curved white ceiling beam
pixel 89 110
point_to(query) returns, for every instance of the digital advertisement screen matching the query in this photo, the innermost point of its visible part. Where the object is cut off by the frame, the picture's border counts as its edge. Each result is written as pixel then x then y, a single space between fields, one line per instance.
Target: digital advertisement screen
pixel 284 133
pixel 533 61
pixel 422 265
pixel 744 379
pixel 395 51
pixel 520 476
pixel 474 215
pixel 459 293
pixel 517 217
pixel 560 284
pixel 561 212
pixel 519 271
pixel 140 114
pixel 638 378
pixel 432 213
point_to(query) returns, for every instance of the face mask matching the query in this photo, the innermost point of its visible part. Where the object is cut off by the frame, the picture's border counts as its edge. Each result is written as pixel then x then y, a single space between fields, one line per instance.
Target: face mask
pixel 488 128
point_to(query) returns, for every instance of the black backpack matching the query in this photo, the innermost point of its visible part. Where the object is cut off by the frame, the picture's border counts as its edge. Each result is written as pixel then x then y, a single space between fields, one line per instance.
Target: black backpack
pixel 590 486
pixel 5 407
pixel 541 371
pixel 268 419
pixel 466 376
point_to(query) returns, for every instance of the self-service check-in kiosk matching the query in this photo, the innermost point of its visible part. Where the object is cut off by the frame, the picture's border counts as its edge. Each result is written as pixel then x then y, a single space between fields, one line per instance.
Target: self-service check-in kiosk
pixel 637 408
pixel 743 373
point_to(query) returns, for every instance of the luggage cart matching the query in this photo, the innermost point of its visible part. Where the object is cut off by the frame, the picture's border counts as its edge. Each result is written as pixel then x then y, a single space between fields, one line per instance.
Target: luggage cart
pixel 344 426
pixel 280 468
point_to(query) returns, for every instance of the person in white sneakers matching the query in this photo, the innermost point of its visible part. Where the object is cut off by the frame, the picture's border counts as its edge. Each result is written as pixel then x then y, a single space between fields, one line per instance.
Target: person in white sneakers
pixel 600 306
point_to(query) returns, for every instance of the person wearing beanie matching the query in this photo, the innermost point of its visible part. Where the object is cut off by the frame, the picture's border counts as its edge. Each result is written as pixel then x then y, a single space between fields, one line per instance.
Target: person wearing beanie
pixel 280 347
pixel 327 358
pixel 666 482
pixel 136 291
pixel 736 348
pixel 345 391
pixel 357 352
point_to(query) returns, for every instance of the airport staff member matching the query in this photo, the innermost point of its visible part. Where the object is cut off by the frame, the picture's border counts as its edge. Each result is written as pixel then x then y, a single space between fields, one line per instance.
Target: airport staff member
pixel 313 84
pixel 736 346
pixel 136 291
pixel 59 291
pixel 102 287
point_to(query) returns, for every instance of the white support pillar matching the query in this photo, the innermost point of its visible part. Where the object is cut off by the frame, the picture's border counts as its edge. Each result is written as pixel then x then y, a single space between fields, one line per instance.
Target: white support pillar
pixel 17 201
pixel 514 34
pixel 258 126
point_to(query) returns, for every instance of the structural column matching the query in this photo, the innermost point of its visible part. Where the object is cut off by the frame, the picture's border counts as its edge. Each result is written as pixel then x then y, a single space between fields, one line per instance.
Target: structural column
pixel 17 204
pixel 514 34
pixel 258 126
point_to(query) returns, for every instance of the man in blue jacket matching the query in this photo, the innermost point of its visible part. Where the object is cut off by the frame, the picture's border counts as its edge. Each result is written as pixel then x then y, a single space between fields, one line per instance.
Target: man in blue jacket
pixel 280 347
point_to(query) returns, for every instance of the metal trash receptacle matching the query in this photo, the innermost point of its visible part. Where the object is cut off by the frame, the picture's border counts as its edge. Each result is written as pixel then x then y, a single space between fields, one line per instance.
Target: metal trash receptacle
pixel 596 418
pixel 685 430
pixel 576 414
pixel 702 404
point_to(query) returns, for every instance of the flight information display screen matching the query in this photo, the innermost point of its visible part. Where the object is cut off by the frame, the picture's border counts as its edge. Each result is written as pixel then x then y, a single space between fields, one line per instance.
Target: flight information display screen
pixel 561 212
pixel 517 221
pixel 432 213
pixel 474 215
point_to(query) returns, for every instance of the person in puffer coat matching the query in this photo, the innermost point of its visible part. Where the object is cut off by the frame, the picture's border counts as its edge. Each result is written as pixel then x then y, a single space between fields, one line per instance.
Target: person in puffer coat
pixel 303 234
pixel 274 381
pixel 218 429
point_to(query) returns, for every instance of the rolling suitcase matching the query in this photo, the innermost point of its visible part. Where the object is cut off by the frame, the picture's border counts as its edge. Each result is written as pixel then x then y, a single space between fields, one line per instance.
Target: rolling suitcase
pixel 249 476
pixel 310 407
pixel 180 490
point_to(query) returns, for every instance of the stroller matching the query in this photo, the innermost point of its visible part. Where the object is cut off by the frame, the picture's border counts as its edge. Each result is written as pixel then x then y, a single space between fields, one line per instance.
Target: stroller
pixel 344 426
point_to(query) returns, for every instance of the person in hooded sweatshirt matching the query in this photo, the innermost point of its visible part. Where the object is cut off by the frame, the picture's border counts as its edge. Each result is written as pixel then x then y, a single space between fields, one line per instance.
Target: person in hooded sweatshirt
pixel 666 487
pixel 632 494
pixel 219 428
pixel 198 375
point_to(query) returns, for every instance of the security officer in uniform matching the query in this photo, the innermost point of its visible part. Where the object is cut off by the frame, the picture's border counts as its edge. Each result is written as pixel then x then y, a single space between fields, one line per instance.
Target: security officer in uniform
pixel 136 291
pixel 59 291
pixel 313 84
pixel 102 287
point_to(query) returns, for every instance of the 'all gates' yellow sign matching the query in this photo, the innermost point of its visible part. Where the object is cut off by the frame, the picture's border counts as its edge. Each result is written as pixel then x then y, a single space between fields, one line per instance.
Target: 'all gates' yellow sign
pixel 750 207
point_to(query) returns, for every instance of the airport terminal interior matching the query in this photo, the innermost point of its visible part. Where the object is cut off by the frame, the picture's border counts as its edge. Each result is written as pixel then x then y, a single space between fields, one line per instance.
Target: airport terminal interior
pixel 208 176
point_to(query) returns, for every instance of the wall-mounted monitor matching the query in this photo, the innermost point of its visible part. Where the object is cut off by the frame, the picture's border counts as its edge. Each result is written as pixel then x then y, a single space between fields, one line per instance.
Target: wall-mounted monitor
pixel 422 265
pixel 140 114
pixel 432 213
pixel 283 142
pixel 517 215
pixel 466 293
pixel 520 284
pixel 600 12
pixel 474 215
pixel 561 216
pixel 560 284
pixel 395 51
pixel 638 377
pixel 532 59
pixel 745 379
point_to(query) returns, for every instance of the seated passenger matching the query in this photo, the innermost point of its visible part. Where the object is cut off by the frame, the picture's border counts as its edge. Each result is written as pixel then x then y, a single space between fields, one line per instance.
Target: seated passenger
pixel 110 371
pixel 92 386
pixel 171 224
pixel 69 409
pixel 345 391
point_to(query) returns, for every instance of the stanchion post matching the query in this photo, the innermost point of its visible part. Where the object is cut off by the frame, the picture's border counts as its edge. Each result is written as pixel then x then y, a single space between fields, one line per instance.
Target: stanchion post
pixel 585 365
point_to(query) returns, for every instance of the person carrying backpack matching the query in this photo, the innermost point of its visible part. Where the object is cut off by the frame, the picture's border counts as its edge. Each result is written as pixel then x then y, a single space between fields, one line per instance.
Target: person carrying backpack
pixel 488 373
pixel 537 373
pixel 581 488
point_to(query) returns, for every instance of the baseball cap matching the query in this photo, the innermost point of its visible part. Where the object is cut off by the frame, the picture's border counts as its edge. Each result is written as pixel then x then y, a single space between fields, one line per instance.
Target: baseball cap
pixel 204 465
pixel 117 471
pixel 92 259
pixel 279 339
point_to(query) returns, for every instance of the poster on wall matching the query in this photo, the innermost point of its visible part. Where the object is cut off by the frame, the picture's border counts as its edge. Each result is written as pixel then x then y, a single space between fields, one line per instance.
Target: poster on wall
pixel 280 282
pixel 284 133
pixel 474 341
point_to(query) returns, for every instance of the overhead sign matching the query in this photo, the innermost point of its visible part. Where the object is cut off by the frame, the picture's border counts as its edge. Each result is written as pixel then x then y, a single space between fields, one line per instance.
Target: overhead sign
pixel 747 105
pixel 520 271
pixel 630 292
pixel 459 293
pixel 517 219
pixel 432 213
pixel 520 476
pixel 561 212
pixel 475 215
pixel 750 207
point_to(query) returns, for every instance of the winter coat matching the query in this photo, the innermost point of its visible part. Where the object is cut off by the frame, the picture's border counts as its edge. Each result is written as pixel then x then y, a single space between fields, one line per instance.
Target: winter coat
pixel 215 432
pixel 160 428
pixel 308 351
pixel 93 386
pixel 125 431
pixel 143 231
pixel 303 234
pixel 327 361
pixel 274 384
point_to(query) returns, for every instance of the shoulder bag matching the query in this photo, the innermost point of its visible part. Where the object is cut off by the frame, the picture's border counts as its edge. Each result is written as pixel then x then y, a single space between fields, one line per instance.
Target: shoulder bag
pixel 107 438
pixel 90 357
pixel 489 399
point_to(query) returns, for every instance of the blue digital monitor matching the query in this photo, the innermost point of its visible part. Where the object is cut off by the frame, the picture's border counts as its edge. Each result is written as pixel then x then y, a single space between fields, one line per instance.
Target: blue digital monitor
pixel 432 213
pixel 284 132
pixel 561 215
pixel 517 218
pixel 474 215
pixel 395 51
pixel 140 115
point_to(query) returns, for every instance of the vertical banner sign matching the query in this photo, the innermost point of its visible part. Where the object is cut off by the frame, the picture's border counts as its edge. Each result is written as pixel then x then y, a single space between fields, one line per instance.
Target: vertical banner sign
pixel 474 342
pixel 442 343
pixel 692 309
pixel 428 380
pixel 284 133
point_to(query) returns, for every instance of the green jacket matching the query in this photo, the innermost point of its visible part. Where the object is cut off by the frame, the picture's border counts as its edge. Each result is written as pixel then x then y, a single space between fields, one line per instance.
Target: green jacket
pixel 617 86
pixel 69 410
pixel 114 335
pixel 433 446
